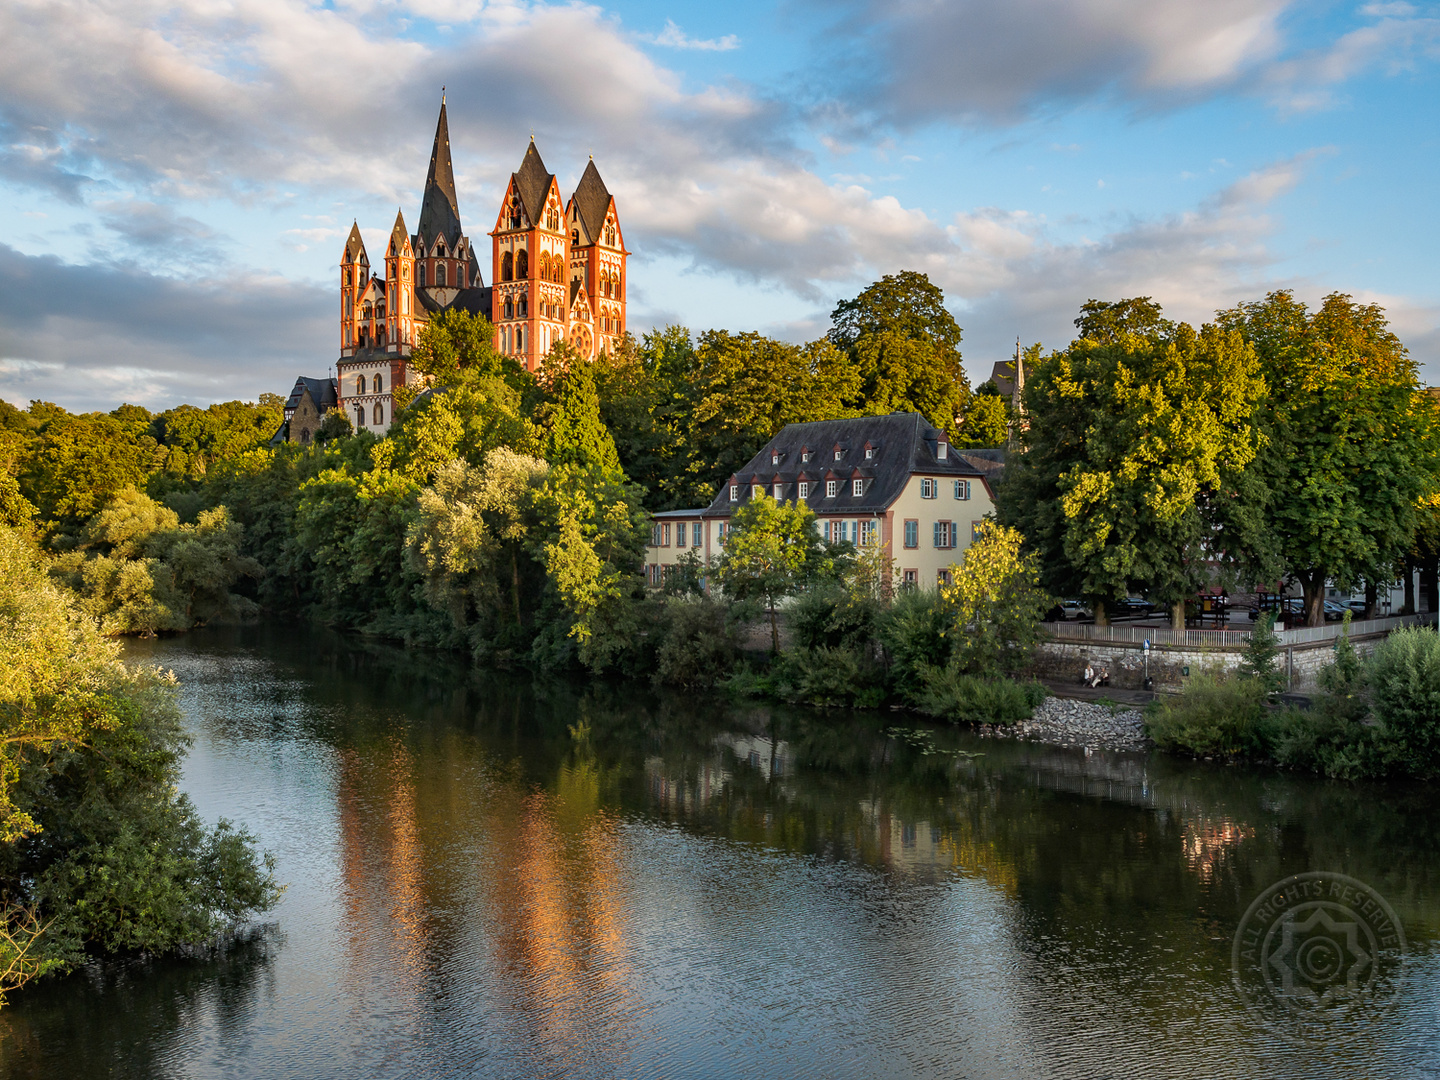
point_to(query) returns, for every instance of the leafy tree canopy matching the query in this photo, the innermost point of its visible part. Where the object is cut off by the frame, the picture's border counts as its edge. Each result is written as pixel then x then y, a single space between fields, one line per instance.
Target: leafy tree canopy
pixel 1107 321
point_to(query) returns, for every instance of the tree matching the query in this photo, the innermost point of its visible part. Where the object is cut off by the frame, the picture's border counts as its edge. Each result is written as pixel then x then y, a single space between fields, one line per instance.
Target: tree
pixel 1108 322
pixel 987 419
pixel 996 603
pixel 456 347
pixel 75 463
pixel 1261 655
pixel 1134 448
pixel 1350 444
pixel 905 346
pixel 768 550
pixel 752 386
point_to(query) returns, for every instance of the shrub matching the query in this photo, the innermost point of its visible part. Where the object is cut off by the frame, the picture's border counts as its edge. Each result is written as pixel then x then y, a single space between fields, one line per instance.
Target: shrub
pixel 1323 740
pixel 951 694
pixel 1404 678
pixel 1260 659
pixel 1213 716
pixel 842 675
pixel 698 648
pixel 830 617
pixel 914 632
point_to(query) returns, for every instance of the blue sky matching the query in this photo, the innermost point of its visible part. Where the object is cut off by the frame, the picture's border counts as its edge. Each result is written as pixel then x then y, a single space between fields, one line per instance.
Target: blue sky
pixel 178 177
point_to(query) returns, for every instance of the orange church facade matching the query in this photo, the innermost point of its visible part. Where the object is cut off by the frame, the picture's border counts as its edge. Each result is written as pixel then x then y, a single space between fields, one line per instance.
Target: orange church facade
pixel 558 272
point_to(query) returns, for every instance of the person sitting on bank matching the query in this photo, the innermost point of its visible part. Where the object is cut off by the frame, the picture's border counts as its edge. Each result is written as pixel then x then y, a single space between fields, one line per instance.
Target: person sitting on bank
pixel 1088 678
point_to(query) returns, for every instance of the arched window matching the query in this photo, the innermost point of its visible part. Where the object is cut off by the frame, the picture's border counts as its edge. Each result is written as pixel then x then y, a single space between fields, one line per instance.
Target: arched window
pixel 460 276
pixel 522 264
pixel 360 384
pixel 420 275
pixel 524 306
pixel 619 293
pixel 379 384
pixel 507 267
pixel 440 275
pixel 544 267
pixel 520 338
pixel 346 276
pixel 575 237
pixel 360 416
pixel 305 436
pixel 509 308
pixel 514 212
pixel 379 414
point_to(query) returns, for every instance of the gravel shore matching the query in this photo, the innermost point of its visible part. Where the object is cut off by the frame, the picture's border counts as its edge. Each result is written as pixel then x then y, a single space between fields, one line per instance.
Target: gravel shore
pixel 1064 722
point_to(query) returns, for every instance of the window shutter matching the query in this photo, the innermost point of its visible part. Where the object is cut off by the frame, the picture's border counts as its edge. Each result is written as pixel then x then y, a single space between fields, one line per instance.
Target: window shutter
pixel 938 542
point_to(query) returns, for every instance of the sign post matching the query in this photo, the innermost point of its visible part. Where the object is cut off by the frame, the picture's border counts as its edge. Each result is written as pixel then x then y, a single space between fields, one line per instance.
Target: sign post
pixel 1146 650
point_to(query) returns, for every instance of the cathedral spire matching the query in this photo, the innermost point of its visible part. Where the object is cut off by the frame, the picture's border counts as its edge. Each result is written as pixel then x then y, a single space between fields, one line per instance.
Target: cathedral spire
pixel 440 210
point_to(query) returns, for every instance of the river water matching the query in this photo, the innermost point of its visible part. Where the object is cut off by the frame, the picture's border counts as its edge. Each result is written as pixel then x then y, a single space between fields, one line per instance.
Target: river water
pixel 495 875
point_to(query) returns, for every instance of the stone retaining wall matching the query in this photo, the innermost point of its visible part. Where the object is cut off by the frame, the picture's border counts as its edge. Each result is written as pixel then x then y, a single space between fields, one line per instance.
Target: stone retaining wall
pixel 1171 665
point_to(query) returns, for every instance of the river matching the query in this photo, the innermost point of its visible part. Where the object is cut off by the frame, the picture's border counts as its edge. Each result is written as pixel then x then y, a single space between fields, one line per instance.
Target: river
pixel 490 874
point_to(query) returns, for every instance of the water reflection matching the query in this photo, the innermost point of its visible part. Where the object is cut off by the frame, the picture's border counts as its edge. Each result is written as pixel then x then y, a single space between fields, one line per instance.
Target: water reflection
pixel 494 875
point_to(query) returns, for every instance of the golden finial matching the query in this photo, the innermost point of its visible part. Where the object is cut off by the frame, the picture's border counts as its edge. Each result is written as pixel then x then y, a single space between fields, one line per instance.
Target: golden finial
pixel 442 95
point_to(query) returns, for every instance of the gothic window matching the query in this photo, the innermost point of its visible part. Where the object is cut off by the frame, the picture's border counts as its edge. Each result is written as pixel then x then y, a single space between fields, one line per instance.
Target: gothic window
pixel 522 264
pixel 524 306
pixel 559 268
pixel 420 275
pixel 346 277
pixel 514 212
pixel 544 267
pixel 305 436
pixel 507 267
pixel 360 384
pixel 440 275
pixel 575 237
pixel 379 384
pixel 618 293
pixel 379 413
pixel 360 416
pixel 509 308
pixel 610 235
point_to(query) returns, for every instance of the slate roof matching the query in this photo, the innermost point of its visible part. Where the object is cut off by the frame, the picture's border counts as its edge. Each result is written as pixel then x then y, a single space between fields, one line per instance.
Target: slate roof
pixel 440 209
pixel 476 301
pixel 532 180
pixel 354 246
pixel 322 392
pixel 1003 376
pixel 592 201
pixel 904 444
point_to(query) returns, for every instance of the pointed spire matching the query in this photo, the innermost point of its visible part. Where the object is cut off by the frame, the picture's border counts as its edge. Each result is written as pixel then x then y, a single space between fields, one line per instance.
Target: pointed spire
pixel 440 210
pixel 592 200
pixel 354 246
pixel 533 180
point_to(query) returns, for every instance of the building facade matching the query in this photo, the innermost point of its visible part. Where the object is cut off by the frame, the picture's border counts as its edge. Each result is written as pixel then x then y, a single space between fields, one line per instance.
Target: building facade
pixel 891 480
pixel 558 268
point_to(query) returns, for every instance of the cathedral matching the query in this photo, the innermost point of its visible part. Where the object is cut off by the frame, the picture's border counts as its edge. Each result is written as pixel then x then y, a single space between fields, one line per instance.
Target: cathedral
pixel 557 273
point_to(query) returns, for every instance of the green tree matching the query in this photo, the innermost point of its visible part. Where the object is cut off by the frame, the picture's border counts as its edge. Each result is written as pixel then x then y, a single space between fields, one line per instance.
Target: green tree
pixel 75 463
pixel 905 346
pixel 768 551
pixel 1351 444
pixel 987 420
pixel 1260 660
pixel 1109 322
pixel 1134 448
pixel 996 603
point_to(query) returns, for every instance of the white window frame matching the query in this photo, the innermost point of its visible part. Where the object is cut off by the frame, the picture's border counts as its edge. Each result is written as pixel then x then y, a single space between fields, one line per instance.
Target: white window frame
pixel 928 488
pixel 962 490
pixel 803 489
pixel 777 491
pixel 869 453
pixel 857 488
pixel 832 488
pixel 837 454
pixel 942 450
pixel 734 492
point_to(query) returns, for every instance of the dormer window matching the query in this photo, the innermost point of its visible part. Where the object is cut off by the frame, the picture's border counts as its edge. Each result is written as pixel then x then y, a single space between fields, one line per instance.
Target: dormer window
pixel 804 455
pixel 857 488
pixel 832 488
pixel 942 448
pixel 734 492
pixel 838 452
pixel 803 490
pixel 869 453
pixel 777 491
pixel 774 457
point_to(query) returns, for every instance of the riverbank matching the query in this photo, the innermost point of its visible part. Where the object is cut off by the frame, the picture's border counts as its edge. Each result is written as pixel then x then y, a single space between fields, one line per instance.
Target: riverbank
pixel 1070 723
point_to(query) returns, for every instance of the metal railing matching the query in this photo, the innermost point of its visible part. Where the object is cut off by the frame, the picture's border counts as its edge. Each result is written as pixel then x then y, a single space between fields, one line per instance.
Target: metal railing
pixel 1233 639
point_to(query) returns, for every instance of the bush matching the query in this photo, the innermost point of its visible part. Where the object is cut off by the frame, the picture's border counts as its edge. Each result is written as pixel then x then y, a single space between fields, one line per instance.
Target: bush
pixel 951 694
pixel 698 647
pixel 1220 717
pixel 843 675
pixel 1404 679
pixel 914 632
pixel 830 617
pixel 1323 740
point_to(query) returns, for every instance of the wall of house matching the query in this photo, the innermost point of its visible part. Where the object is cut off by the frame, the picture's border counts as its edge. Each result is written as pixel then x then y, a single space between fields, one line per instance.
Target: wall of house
pixel 926 561
pixel 355 403
pixel 305 421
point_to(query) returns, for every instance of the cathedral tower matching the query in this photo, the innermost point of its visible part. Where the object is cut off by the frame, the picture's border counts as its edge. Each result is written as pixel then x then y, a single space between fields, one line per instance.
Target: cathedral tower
pixel 598 271
pixel 530 255
pixel 354 277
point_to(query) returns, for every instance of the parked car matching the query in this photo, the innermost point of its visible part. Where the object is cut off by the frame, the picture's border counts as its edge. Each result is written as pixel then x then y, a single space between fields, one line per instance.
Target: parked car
pixel 1075 609
pixel 1293 606
pixel 1335 611
pixel 1133 605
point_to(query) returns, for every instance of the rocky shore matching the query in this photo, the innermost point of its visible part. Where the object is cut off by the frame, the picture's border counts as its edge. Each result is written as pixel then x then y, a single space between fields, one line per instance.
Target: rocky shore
pixel 1064 722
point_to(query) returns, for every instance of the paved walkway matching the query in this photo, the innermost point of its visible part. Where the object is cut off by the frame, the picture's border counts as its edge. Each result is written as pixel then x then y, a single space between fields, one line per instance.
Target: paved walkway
pixel 1077 691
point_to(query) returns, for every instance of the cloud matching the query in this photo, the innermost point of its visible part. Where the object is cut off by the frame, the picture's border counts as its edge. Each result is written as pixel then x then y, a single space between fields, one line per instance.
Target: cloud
pixel 672 37
pixel 92 336
pixel 161 235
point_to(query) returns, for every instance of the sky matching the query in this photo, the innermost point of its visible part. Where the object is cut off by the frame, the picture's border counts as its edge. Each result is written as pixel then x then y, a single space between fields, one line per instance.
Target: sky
pixel 177 179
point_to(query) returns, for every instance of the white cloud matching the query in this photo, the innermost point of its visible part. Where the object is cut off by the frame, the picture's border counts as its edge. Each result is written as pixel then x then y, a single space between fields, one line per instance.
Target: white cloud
pixel 672 37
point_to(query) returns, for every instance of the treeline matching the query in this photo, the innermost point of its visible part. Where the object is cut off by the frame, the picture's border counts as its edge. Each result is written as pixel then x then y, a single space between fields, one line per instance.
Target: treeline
pixel 1274 444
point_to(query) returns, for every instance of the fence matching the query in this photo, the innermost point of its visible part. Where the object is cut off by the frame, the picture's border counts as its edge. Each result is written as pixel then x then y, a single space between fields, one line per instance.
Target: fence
pixel 1223 639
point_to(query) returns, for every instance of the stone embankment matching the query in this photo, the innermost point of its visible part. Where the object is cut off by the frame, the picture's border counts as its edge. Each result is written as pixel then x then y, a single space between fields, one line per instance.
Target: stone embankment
pixel 1063 722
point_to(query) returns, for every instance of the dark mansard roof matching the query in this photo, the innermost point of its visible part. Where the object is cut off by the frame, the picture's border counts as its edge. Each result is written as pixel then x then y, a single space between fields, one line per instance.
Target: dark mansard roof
pixel 904 444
